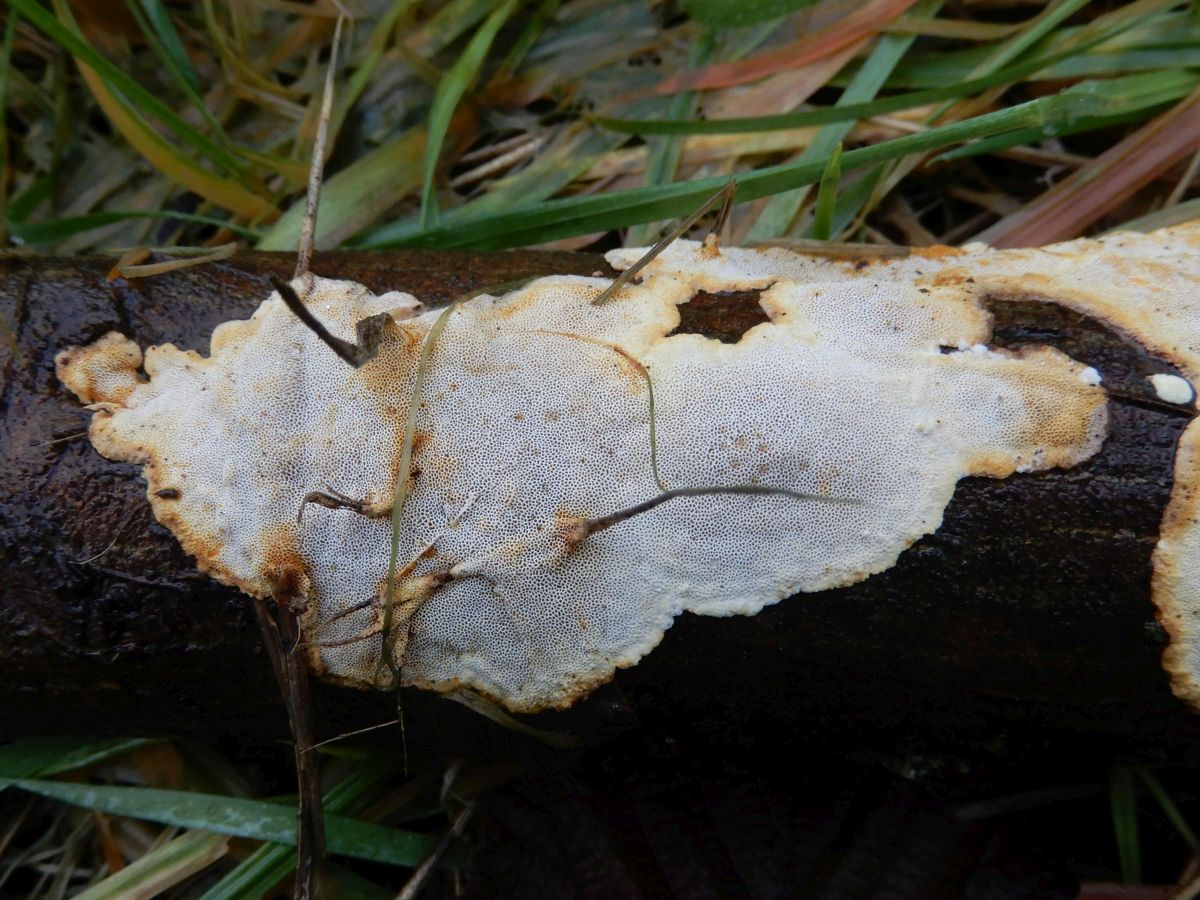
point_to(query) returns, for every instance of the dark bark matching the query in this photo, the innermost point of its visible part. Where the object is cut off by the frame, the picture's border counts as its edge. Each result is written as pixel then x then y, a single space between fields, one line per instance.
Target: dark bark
pixel 1023 623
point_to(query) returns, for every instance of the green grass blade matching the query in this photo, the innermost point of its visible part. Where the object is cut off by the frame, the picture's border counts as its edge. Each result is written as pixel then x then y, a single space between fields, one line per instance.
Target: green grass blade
pixel 520 48
pixel 778 215
pixel 161 868
pixel 724 14
pixel 1122 796
pixel 255 819
pixel 450 22
pixel 1170 810
pixel 357 195
pixel 164 43
pixel 827 115
pixel 254 876
pixel 582 215
pixel 827 193
pixel 71 41
pixel 57 229
pixel 270 864
pixel 41 756
pixel 662 158
pixel 453 85
pixel 853 198
pixel 1024 136
pixel 1141 95
pixel 175 56
pixel 550 172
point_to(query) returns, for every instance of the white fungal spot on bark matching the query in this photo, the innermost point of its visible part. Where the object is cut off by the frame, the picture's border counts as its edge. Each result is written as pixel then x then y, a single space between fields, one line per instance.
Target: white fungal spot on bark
pixel 1172 389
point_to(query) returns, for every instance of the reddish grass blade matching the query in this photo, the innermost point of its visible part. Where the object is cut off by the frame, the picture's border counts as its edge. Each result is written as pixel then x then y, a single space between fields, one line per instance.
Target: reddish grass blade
pixel 1101 185
pixel 867 20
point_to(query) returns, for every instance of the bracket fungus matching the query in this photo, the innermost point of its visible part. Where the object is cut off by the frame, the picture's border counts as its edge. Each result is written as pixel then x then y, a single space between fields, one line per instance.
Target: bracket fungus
pixel 545 535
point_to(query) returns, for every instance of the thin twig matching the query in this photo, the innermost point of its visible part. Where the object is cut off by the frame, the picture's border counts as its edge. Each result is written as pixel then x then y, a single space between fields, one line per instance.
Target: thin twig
pixel 421 874
pixel 370 330
pixel 347 734
pixel 591 526
pixel 308 231
pixel 280 632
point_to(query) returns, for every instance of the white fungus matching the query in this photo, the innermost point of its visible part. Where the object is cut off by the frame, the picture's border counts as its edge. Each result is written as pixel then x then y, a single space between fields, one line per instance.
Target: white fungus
pixel 535 419
pixel 1146 286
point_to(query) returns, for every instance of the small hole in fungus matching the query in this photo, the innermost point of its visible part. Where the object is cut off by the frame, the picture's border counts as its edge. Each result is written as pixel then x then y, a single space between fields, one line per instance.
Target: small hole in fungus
pixel 724 315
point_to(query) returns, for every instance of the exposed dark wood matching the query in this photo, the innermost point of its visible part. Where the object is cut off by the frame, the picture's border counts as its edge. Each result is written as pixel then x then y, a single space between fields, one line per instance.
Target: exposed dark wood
pixel 1022 626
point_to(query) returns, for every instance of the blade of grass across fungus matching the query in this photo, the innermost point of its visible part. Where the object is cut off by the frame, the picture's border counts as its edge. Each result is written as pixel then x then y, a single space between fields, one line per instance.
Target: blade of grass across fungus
pixel 255 819
pixel 400 496
pixel 454 84
pixel 161 868
pixel 67 35
pixel 582 215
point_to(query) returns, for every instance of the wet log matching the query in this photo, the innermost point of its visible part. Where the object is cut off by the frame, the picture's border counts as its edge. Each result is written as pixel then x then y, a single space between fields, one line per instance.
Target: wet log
pixel 1022 626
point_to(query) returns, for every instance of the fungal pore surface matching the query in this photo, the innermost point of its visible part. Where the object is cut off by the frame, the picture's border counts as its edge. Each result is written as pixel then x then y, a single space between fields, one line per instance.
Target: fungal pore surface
pixel 869 392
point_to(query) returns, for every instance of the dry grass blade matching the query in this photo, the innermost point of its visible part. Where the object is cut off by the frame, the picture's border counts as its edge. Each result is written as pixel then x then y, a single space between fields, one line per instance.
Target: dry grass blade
pixel 724 196
pixel 309 229
pixel 400 496
pixel 145 270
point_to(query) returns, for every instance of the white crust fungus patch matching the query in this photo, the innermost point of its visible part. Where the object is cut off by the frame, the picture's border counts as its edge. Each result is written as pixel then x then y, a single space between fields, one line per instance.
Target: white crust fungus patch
pixel 1172 389
pixel 533 420
pixel 1146 286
